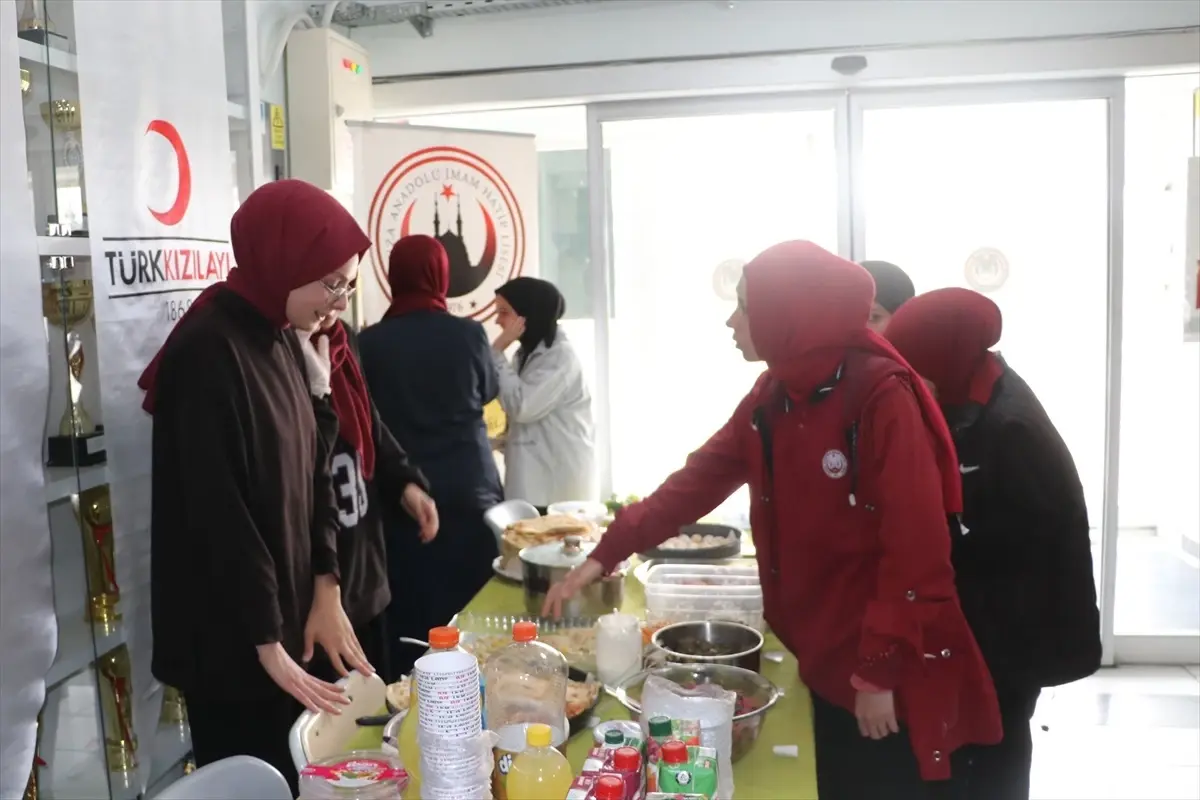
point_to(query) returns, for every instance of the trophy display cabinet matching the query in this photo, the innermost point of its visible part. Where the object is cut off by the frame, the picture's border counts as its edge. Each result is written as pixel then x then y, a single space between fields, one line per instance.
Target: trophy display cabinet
pixel 87 748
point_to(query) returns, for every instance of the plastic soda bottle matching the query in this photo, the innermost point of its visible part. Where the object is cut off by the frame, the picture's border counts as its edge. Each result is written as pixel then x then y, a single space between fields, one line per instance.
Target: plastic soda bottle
pixel 540 772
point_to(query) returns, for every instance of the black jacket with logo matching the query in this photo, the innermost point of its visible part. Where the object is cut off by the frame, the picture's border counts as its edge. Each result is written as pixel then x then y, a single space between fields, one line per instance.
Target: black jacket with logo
pixel 1022 551
pixel 361 550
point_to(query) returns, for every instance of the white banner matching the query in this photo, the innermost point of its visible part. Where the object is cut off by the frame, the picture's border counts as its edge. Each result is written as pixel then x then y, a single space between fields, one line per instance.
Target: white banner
pixel 159 189
pixel 28 630
pixel 1191 261
pixel 476 192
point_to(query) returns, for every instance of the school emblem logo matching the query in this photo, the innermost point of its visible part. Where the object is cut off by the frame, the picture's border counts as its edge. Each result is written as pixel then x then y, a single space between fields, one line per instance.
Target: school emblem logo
pixel 461 200
pixel 835 464
pixel 986 270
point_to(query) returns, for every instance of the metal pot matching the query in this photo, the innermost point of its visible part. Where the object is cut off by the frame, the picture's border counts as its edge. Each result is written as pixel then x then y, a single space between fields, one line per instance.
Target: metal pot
pixel 692 642
pixel 544 565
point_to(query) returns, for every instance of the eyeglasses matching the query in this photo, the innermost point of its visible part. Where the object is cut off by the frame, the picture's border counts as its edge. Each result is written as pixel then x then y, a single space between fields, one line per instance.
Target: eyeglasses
pixel 339 292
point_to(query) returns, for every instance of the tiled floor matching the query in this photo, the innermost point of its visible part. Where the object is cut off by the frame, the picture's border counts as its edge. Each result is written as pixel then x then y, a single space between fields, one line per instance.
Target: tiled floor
pixel 1124 734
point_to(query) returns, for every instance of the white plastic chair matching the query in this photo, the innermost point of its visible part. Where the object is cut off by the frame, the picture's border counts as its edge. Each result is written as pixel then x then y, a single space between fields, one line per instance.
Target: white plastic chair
pixel 500 516
pixel 233 778
pixel 315 736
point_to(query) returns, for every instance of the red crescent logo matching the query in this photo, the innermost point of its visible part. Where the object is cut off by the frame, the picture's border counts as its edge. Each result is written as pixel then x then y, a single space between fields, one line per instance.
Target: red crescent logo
pixel 174 214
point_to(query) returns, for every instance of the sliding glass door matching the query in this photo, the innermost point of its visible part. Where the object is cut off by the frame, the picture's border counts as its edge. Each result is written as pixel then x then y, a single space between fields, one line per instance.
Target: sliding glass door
pixel 1014 191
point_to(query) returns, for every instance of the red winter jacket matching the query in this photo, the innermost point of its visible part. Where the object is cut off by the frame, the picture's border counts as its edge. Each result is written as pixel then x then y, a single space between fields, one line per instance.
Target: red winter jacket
pixel 853 545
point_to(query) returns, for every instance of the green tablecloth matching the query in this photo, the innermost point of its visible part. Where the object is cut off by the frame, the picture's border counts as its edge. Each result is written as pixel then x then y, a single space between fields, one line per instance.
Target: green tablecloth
pixel 760 775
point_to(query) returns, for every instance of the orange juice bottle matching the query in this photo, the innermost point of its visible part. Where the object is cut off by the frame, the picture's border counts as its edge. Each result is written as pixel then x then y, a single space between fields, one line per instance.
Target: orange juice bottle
pixel 540 772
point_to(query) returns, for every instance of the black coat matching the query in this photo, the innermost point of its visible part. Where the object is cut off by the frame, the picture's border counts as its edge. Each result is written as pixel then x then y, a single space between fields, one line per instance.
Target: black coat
pixel 430 375
pixel 1022 552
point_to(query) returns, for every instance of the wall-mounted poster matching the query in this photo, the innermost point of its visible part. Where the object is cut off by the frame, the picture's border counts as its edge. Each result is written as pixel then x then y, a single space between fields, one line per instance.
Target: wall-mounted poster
pixel 475 192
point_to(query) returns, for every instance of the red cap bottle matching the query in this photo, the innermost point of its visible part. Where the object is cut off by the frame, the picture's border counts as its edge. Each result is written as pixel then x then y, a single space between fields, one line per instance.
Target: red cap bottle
pixel 609 787
pixel 674 752
pixel 627 759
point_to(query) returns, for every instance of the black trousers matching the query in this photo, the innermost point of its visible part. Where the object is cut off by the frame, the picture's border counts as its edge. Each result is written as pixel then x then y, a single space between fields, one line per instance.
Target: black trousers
pixel 1001 771
pixel 851 766
pixel 248 725
pixel 372 637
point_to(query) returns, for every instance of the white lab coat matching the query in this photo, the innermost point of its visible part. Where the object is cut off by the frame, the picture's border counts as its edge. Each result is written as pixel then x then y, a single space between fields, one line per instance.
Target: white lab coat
pixel 549 451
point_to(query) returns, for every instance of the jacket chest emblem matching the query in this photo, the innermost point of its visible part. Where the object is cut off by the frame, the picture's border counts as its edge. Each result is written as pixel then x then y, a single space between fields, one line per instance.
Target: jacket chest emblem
pixel 835 464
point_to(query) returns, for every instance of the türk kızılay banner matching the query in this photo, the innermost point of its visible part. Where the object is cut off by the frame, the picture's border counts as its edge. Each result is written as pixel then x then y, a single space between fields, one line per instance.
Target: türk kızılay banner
pixel 159 188
pixel 475 192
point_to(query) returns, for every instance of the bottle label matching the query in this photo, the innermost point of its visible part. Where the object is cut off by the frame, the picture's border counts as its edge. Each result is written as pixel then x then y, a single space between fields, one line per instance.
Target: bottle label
pixel 355 773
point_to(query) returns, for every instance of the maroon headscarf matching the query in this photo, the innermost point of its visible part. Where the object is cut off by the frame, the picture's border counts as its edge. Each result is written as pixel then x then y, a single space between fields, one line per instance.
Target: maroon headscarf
pixel 418 275
pixel 351 401
pixel 807 307
pixel 286 235
pixel 947 336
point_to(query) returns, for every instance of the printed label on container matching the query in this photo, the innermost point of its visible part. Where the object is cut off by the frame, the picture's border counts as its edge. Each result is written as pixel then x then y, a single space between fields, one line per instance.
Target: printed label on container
pixel 356 773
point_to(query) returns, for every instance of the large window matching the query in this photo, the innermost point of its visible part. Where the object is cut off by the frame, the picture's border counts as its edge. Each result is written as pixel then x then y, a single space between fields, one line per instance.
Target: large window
pixel 1158 554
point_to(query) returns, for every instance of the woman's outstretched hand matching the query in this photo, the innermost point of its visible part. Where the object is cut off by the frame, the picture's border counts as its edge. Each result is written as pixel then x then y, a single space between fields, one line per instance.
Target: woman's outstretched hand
pixel 329 627
pixel 509 334
pixel 583 575
pixel 314 694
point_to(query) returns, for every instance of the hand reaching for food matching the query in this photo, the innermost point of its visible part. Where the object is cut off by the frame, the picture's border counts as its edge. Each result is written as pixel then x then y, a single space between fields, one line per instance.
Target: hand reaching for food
pixel 585 574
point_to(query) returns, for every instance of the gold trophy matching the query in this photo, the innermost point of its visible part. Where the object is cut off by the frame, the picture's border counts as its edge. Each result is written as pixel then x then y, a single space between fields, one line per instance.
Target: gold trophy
pixel 31 788
pixel 116 706
pixel 33 24
pixel 174 712
pixel 26 84
pixel 94 509
pixel 64 116
pixel 67 304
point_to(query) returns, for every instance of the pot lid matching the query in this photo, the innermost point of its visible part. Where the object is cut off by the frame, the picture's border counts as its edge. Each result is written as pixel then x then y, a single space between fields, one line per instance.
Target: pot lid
pixel 570 552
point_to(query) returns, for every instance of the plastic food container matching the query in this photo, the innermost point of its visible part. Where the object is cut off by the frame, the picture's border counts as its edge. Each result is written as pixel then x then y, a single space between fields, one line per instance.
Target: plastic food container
pixel 357 775
pixel 695 592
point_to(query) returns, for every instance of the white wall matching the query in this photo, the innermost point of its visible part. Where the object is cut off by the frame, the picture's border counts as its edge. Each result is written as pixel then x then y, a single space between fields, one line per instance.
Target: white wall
pixel 633 50
pixel 619 31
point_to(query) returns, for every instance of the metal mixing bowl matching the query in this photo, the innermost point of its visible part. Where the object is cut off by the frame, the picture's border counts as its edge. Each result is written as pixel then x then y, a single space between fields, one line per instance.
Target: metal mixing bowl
pixel 753 689
pixel 710 642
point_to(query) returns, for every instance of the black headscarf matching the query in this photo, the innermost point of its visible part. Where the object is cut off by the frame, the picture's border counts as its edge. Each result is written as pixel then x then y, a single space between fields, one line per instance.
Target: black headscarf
pixel 893 287
pixel 541 305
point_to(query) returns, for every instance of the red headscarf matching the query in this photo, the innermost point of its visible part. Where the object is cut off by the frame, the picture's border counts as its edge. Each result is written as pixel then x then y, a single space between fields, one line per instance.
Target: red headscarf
pixel 418 274
pixel 351 401
pixel 947 336
pixel 806 308
pixel 286 235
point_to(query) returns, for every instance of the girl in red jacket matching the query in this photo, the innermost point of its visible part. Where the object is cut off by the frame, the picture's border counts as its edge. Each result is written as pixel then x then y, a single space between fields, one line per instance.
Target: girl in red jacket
pixel 853 476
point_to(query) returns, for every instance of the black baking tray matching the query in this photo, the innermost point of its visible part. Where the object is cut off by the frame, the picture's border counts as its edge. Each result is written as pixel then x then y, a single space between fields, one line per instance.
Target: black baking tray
pixel 731 550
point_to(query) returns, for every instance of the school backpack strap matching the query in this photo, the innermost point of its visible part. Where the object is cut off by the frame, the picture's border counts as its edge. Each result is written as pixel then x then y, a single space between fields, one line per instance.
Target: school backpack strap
pixel 859 376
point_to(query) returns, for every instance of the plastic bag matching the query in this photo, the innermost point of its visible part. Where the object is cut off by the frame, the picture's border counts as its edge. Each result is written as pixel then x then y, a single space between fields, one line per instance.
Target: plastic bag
pixel 710 705
pixel 456 763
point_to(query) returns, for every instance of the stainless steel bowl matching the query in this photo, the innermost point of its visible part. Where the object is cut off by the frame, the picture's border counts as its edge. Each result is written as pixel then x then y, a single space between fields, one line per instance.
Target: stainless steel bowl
pixel 544 565
pixel 710 642
pixel 756 696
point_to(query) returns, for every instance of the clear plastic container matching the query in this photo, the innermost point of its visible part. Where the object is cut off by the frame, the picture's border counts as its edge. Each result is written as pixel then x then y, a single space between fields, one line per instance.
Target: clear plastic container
pixel 703 575
pixel 540 772
pixel 357 775
pixel 693 592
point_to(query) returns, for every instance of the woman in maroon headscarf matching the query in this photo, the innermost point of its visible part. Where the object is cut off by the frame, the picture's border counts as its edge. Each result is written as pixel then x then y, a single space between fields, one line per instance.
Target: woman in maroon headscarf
pixel 1021 549
pixel 431 373
pixel 244 562
pixel 852 476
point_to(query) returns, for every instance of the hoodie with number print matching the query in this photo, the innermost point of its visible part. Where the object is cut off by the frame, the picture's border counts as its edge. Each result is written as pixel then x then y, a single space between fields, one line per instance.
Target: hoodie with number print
pixel 852 477
pixel 369 467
